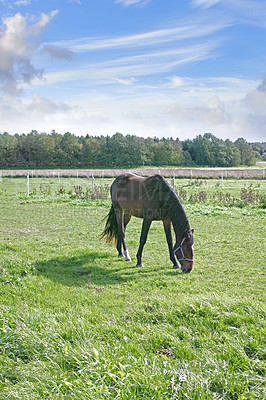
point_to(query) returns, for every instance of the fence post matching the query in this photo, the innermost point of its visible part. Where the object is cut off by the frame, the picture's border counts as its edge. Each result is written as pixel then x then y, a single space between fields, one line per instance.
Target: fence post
pixel 28 184
pixel 58 177
pixel 191 175
pixel 174 183
pixel 92 177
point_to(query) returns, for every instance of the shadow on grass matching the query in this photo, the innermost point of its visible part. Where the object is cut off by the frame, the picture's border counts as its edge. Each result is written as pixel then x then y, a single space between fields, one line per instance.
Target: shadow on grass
pixel 95 268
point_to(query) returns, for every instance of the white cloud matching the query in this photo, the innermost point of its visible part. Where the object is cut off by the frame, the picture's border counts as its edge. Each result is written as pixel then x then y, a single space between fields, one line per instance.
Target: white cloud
pixel 18 42
pixel 126 82
pixel 256 99
pixel 177 81
pixel 41 106
pixel 74 1
pixel 127 3
pixel 204 3
pixel 211 113
pixel 22 2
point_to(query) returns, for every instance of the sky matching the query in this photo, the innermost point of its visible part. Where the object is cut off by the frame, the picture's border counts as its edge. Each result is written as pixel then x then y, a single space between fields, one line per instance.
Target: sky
pixel 165 68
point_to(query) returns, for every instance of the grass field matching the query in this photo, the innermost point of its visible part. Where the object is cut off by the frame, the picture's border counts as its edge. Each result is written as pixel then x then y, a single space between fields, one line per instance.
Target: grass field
pixel 77 322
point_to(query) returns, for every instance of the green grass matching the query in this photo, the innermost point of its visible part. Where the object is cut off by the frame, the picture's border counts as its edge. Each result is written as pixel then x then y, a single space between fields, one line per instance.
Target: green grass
pixel 77 322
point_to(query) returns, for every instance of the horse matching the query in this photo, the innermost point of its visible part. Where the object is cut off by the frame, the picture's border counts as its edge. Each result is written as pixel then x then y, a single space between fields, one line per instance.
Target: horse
pixel 152 199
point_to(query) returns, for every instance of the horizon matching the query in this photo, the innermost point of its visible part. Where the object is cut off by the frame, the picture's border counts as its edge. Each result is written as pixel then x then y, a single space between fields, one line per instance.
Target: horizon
pixel 138 67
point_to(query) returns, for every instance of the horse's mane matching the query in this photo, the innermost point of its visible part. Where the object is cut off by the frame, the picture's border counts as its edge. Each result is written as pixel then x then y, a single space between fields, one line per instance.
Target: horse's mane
pixel 170 201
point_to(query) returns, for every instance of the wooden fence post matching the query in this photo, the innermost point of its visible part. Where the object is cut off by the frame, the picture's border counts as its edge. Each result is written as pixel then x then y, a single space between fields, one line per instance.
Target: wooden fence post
pixel 28 184
pixel 92 187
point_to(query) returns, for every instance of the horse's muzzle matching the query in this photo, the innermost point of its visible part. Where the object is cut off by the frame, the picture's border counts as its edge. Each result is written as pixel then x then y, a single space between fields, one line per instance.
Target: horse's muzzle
pixel 187 267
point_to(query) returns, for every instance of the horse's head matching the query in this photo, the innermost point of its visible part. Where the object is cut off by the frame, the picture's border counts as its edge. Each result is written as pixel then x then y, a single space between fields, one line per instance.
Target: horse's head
pixel 184 251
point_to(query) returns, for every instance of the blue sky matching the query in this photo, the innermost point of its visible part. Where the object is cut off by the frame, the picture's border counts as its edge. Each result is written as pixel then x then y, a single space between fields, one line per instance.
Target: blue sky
pixel 142 67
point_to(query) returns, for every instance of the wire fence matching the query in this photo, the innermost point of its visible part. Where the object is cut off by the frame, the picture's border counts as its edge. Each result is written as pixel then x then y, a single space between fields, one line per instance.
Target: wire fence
pixel 81 184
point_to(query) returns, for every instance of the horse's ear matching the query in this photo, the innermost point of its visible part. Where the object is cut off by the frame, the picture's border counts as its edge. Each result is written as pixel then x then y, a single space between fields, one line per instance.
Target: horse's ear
pixel 192 231
pixel 187 233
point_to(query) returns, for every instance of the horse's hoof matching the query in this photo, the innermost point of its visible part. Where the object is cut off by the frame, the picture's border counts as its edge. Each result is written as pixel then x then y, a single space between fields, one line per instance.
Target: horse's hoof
pixel 176 266
pixel 127 256
pixel 139 265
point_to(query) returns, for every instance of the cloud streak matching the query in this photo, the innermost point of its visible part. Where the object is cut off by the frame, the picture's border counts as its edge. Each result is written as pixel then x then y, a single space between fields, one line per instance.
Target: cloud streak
pixel 152 38
pixel 204 3
pixel 126 68
pixel 18 42
pixel 127 3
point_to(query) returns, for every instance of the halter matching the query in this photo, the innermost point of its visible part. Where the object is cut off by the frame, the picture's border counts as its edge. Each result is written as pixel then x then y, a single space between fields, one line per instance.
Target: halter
pixel 180 247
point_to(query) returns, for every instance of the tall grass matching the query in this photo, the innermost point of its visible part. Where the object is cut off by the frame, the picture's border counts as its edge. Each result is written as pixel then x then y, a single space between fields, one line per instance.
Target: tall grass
pixel 77 322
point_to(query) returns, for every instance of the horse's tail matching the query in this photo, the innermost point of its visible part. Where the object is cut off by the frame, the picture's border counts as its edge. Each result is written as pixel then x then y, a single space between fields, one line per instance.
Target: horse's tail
pixel 111 227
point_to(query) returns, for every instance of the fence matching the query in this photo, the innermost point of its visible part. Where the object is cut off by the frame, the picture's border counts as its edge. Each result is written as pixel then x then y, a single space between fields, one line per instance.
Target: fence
pixel 240 173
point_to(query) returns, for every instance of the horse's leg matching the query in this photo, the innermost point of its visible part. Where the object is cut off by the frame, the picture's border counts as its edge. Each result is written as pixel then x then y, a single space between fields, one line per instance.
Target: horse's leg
pixel 118 214
pixel 121 234
pixel 127 218
pixel 143 238
pixel 119 247
pixel 168 234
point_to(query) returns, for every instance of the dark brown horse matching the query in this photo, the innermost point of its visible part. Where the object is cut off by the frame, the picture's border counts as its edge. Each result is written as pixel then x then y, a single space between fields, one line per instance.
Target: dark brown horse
pixel 151 199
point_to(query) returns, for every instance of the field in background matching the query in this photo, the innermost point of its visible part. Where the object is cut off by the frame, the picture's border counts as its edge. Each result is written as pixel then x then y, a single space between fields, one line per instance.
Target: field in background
pixel 77 322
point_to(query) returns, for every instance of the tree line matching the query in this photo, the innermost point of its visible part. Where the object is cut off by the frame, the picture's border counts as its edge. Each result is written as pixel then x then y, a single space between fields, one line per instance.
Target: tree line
pixel 54 150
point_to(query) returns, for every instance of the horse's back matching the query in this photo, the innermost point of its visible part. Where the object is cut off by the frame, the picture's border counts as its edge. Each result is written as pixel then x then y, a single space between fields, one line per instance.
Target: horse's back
pixel 123 180
pixel 136 194
pixel 126 193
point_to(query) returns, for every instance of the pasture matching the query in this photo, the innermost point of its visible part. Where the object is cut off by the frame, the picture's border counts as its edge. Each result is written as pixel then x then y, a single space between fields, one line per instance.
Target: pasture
pixel 77 322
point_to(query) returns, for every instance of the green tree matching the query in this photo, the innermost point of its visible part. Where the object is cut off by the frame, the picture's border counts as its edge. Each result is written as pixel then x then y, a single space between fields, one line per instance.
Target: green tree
pixel 9 151
pixel 70 151
pixel 247 156
pixel 42 150
pixel 207 150
pixel 94 152
pixel 232 154
pixel 187 160
pixel 164 153
pixel 200 150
